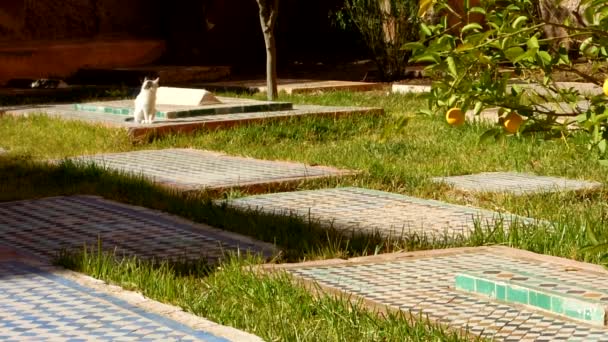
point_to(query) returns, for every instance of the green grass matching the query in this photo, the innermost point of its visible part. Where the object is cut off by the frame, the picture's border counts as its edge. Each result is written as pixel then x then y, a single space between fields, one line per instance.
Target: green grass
pixel 299 239
pixel 398 161
pixel 266 304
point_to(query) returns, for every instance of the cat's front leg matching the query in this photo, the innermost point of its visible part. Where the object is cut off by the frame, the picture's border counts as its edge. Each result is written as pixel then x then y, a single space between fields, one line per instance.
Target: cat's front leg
pixel 136 115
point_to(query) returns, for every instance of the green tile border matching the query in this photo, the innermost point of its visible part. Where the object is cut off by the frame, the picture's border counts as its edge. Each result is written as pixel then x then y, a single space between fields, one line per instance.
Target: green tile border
pixel 110 110
pixel 226 109
pixel 517 292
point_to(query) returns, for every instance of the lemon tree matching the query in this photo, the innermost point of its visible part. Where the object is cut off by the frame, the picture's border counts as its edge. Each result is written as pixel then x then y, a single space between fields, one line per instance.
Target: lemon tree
pixel 477 62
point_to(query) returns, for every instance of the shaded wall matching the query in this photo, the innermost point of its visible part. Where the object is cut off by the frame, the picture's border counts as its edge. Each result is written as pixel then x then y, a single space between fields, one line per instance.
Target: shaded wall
pixel 196 31
pixel 75 19
pixel 228 32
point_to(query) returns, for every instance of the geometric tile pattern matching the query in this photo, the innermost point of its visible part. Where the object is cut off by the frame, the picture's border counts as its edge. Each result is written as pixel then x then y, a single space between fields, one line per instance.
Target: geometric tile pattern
pixel 425 285
pixel 192 169
pixel 370 211
pixel 125 107
pixel 515 183
pixel 544 293
pixel 41 306
pixel 45 226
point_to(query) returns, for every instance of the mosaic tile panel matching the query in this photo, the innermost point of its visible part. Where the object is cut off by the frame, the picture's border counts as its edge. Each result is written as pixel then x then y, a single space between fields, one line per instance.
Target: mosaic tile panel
pixel 125 107
pixel 41 306
pixel 516 183
pixel 376 211
pixel 46 226
pixel 191 169
pixel 425 285
pixel 548 294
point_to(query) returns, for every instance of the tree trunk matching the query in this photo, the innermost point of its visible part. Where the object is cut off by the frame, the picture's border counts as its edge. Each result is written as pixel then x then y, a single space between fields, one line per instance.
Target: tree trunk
pixel 389 26
pixel 268 16
pixel 271 67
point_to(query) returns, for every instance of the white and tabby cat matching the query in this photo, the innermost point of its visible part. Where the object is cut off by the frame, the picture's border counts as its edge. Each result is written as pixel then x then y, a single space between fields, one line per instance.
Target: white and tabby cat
pixel 46 83
pixel 145 102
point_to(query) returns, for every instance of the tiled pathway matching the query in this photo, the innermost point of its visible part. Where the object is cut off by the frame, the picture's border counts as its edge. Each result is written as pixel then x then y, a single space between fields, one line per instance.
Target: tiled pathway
pixel 423 282
pixel 191 169
pixel 515 183
pixel 45 226
pixel 39 305
pixel 370 211
pixel 39 302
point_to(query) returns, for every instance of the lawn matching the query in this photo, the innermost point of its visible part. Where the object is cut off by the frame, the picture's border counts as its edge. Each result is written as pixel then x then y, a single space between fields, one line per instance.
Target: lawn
pixel 400 161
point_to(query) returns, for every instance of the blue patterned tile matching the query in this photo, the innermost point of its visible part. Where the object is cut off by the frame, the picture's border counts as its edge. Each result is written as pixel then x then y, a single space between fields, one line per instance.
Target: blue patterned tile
pixel 62 310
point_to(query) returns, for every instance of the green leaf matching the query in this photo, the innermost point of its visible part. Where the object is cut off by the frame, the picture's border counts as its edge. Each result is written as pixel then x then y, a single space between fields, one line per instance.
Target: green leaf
pixel 513 53
pixel 478 108
pixel 603 162
pixel 585 44
pixel 471 26
pixel 452 101
pixel 484 59
pixel 545 57
pixel 581 118
pixel 452 66
pixel 564 58
pixel 429 57
pixel 527 54
pixel 479 10
pixel 463 47
pixel 592 51
pixel 425 29
pixel 532 43
pixel 515 90
pixel 412 46
pixel 600 118
pixel 519 21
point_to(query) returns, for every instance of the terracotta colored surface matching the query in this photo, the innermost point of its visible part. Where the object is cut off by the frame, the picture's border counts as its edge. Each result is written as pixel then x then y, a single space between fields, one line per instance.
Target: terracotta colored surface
pixel 295 86
pixel 63 58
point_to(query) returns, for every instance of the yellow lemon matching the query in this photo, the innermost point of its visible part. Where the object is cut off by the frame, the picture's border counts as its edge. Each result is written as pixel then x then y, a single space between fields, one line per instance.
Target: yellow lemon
pixel 512 122
pixel 606 87
pixel 454 117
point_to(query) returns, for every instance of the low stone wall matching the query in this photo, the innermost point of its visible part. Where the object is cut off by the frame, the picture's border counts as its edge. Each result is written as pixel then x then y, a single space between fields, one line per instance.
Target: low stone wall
pixel 39 59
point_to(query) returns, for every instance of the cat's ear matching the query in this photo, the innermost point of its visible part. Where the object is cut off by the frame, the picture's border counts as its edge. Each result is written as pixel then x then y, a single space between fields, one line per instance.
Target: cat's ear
pixel 145 78
pixel 156 80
